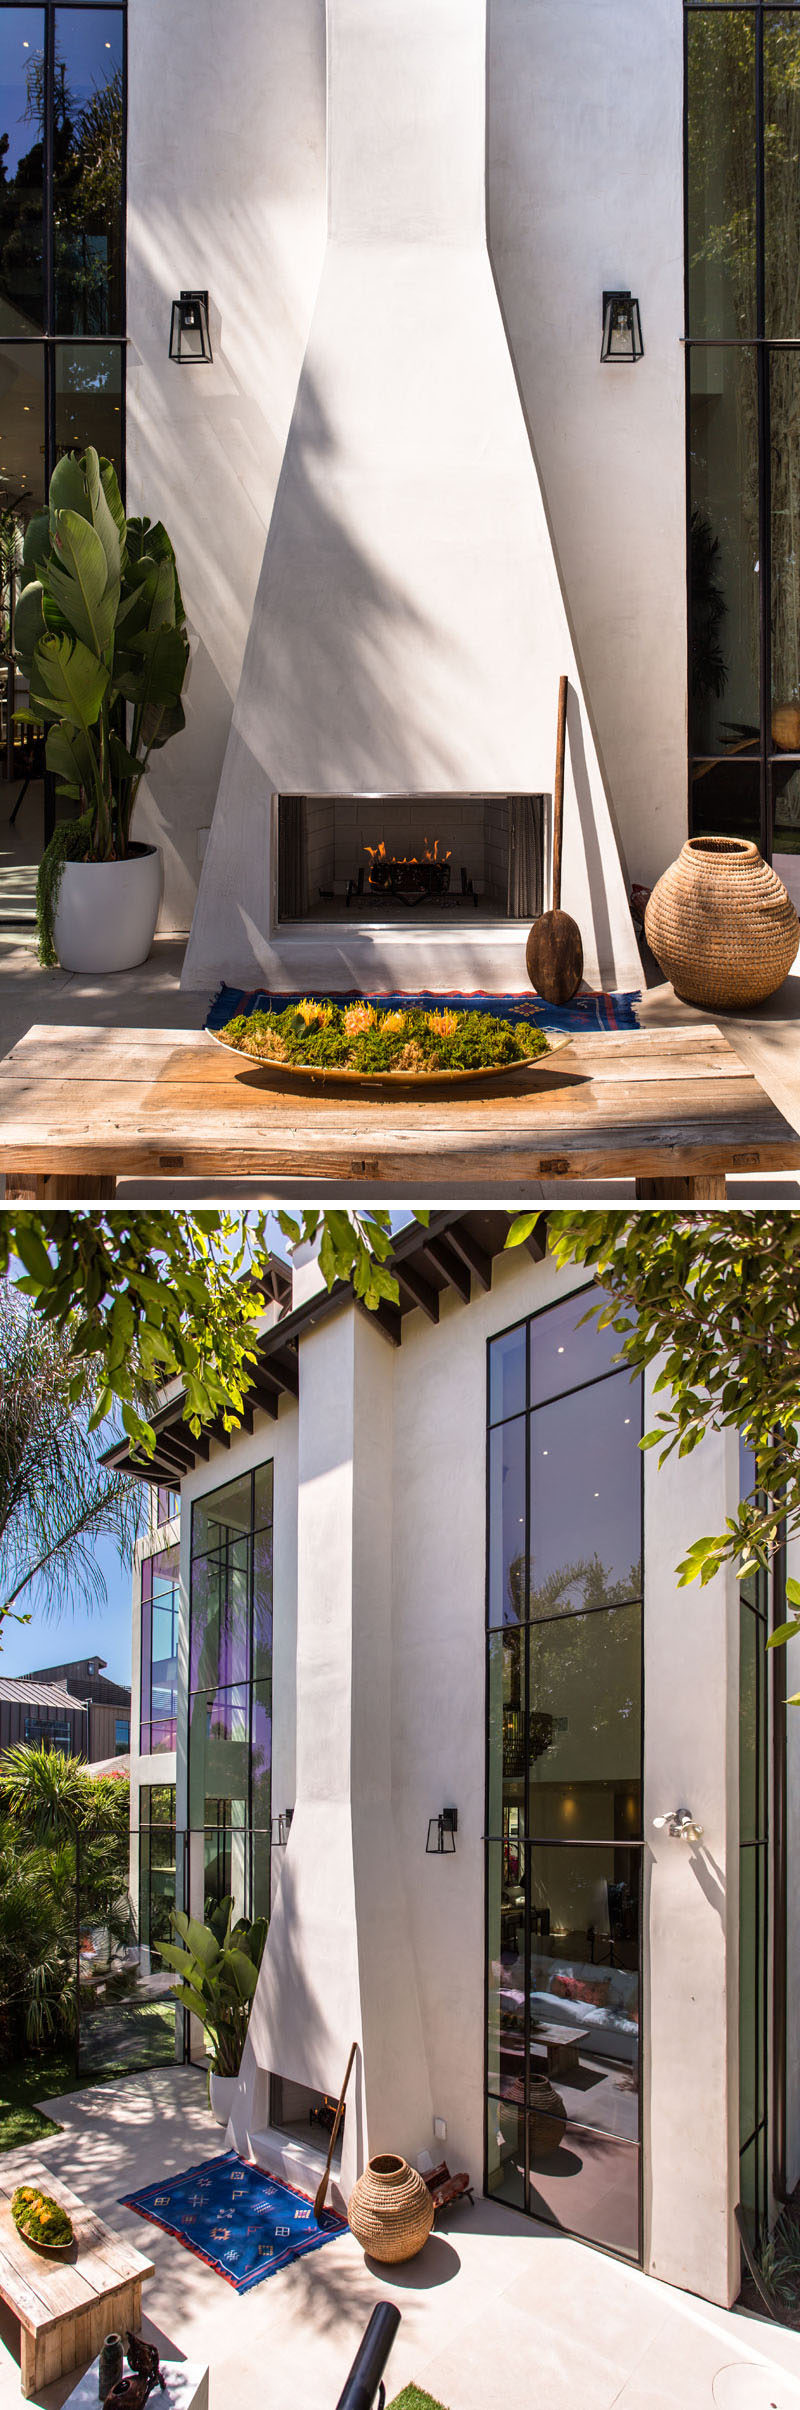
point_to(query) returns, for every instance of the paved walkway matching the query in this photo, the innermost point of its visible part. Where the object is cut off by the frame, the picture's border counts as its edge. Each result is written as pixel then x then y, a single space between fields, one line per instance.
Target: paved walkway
pixel 495 2313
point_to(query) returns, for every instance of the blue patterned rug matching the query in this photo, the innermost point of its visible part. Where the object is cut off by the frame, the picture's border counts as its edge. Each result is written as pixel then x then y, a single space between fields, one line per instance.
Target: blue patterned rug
pixel 240 2221
pixel 587 1011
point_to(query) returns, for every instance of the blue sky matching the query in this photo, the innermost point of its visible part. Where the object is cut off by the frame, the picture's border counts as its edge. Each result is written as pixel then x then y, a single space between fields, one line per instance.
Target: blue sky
pixel 103 1630
pixel 49 1640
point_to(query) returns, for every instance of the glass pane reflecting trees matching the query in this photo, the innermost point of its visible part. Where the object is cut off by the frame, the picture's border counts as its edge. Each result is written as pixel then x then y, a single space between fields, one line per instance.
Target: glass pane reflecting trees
pixel 564 1800
pixel 230 1665
pixel 743 288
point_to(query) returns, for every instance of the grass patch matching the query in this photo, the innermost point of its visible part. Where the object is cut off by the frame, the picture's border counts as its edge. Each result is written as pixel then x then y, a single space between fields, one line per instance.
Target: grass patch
pixel 412 2399
pixel 318 1034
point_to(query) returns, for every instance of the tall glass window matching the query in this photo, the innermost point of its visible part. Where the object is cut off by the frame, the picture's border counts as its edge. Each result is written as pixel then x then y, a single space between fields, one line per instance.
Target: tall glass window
pixel 62 274
pixel 157 1866
pixel 743 401
pixel 230 1690
pixel 161 1601
pixel 753 1888
pixel 564 1810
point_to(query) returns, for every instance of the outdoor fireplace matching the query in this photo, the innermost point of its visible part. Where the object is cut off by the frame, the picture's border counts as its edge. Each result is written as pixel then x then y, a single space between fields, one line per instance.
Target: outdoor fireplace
pixel 381 857
pixel 305 2116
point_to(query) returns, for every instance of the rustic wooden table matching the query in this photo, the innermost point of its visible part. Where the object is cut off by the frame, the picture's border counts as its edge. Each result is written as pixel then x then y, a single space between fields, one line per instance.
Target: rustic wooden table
pixel 64 2307
pixel 675 1110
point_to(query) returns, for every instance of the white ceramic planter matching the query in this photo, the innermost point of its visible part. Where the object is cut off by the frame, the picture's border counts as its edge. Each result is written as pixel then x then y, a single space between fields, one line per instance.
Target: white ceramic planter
pixel 221 2089
pixel 107 911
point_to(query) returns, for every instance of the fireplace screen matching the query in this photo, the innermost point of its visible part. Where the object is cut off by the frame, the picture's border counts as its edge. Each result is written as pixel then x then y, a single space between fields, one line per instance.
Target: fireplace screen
pixel 391 858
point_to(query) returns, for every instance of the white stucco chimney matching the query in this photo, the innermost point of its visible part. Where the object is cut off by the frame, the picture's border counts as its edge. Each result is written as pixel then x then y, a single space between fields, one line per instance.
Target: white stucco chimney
pixel 410 627
pixel 339 1963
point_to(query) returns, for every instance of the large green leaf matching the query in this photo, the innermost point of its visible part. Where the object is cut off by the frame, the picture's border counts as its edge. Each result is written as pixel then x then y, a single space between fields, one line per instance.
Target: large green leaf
pixel 108 480
pixel 68 487
pixel 71 757
pixel 68 682
pixel 28 624
pixel 80 581
pixel 37 543
pixel 243 1972
pixel 184 1994
pixel 102 518
pixel 201 1942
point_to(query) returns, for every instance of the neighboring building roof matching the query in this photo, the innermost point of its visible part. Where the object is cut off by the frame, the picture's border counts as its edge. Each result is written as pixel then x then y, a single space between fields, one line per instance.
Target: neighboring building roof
pixel 25 1691
pixel 83 1683
pixel 456 1251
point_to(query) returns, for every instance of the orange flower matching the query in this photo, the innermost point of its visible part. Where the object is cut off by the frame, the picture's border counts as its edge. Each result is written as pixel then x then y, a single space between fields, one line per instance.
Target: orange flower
pixel 357 1018
pixel 445 1024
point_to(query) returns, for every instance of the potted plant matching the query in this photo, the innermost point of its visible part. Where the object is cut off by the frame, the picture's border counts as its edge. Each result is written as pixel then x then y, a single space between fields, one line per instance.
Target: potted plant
pixel 100 636
pixel 218 1966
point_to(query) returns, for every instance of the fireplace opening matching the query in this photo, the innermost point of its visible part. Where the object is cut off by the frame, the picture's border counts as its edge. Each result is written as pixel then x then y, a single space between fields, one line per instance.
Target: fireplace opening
pixel 400 858
pixel 305 2116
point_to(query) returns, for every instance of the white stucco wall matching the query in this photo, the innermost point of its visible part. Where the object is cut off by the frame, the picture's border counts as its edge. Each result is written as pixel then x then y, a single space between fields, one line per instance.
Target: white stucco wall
pixel 691 2074
pixel 586 194
pixel 227 190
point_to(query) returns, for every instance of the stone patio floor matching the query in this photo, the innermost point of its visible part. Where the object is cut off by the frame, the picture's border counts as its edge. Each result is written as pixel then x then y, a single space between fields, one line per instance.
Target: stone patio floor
pixel 495 2313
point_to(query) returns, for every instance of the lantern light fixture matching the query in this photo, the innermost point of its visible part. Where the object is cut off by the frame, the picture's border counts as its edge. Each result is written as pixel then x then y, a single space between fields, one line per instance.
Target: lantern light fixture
pixel 190 341
pixel 441 1841
pixel 622 328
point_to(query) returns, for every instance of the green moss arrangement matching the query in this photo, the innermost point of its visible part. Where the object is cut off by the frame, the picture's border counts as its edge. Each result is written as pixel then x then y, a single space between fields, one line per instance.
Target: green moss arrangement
pixel 320 1035
pixel 412 2398
pixel 40 2220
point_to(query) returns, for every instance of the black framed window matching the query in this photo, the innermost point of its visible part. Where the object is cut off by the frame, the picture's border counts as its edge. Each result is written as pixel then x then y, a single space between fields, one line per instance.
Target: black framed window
pixel 157 1866
pixel 743 417
pixel 160 1622
pixel 564 1777
pixel 63 87
pixel 230 1693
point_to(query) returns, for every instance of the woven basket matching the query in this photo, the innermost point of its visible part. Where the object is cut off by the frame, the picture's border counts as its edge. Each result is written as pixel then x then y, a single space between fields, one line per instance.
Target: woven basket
pixel 390 2210
pixel 721 925
pixel 786 727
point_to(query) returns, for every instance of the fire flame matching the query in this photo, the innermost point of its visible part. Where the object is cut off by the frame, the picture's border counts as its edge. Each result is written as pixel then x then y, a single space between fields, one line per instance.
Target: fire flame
pixel 378 853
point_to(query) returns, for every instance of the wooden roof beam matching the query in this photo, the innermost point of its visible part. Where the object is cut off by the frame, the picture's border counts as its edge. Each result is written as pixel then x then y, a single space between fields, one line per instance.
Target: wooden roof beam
pixel 444 1259
pixel 420 1290
pixel 468 1247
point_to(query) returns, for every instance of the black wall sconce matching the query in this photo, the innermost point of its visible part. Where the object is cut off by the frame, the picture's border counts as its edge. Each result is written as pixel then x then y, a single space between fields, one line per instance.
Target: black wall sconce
pixel 189 339
pixel 284 1825
pixel 622 328
pixel 441 1841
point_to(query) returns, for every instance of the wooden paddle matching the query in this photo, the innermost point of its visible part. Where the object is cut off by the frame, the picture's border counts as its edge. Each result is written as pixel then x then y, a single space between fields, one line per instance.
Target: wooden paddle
pixel 319 2201
pixel 554 952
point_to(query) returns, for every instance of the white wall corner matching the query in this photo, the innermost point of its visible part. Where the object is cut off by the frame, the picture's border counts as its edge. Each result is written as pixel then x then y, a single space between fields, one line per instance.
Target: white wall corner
pixel 690 2086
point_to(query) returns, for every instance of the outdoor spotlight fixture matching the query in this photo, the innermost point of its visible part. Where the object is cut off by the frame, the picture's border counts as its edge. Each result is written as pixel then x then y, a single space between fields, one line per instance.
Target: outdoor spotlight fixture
pixel 622 328
pixel 189 340
pixel 441 1841
pixel 680 1825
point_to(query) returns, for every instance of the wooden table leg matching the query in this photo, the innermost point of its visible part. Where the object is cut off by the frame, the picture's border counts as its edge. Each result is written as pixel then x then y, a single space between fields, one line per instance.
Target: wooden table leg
pixel 705 1187
pixel 27 2363
pixel 44 1187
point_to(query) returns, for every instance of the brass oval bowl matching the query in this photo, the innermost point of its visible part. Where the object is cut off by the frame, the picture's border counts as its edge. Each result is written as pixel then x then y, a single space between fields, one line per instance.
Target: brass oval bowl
pixel 337 1076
